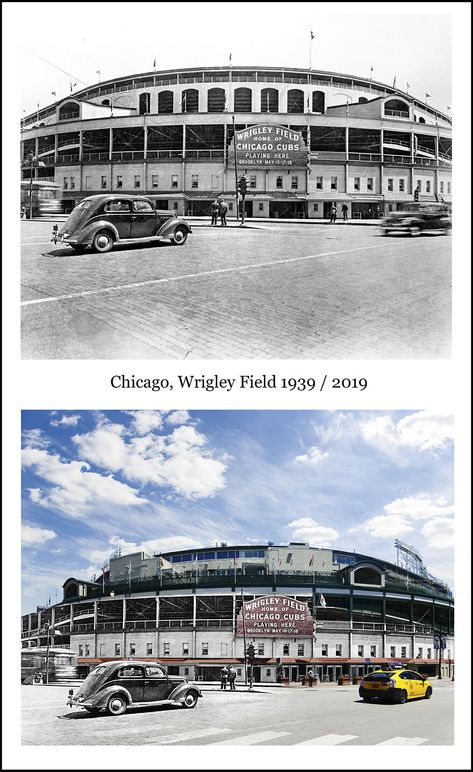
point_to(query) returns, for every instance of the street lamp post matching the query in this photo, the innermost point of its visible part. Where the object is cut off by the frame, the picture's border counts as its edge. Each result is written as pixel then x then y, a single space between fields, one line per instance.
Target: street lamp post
pixel 49 631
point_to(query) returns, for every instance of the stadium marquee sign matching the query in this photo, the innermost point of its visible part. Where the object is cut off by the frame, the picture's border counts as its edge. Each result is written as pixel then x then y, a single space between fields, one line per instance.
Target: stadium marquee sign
pixel 274 615
pixel 268 145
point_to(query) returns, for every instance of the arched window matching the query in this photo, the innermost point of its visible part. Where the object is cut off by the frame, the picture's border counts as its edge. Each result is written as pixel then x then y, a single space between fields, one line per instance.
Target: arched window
pixel 145 102
pixel 362 100
pixel 366 575
pixel 421 119
pixel 71 590
pixel 190 101
pixel 165 102
pixel 295 101
pixel 68 111
pixel 396 108
pixel 242 100
pixel 216 100
pixel 318 102
pixel 269 100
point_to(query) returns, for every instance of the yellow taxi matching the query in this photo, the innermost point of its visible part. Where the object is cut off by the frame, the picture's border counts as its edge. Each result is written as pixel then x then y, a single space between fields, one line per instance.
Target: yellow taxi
pixel 395 685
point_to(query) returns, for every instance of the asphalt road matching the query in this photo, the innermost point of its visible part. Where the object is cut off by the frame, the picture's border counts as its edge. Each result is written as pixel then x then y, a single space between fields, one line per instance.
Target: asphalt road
pixel 266 291
pixel 332 715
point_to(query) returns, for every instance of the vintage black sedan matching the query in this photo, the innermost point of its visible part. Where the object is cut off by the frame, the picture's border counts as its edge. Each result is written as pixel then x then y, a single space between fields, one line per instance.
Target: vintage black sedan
pixel 416 218
pixel 104 220
pixel 117 686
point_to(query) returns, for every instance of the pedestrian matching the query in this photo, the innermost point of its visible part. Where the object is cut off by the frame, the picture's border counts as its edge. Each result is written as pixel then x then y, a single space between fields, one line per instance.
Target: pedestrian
pixel 333 213
pixel 310 676
pixel 232 674
pixel 214 212
pixel 377 212
pixel 23 212
pixel 222 210
pixel 223 677
pixel 345 212
pixel 370 213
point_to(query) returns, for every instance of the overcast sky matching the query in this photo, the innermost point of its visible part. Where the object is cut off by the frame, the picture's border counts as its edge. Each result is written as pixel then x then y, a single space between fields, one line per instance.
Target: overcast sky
pixel 157 481
pixel 409 41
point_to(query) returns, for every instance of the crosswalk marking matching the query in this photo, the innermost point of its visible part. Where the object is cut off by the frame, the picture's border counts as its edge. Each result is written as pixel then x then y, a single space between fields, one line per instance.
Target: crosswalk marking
pixel 329 739
pixel 192 735
pixel 404 741
pixel 252 739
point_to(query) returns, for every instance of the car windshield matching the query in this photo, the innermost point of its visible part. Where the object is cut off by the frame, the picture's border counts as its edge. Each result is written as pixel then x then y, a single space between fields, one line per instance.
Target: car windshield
pixel 77 216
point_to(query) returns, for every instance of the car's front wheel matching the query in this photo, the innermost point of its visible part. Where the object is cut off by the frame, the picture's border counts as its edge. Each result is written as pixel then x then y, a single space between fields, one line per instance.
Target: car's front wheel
pixel 116 705
pixel 428 693
pixel 179 237
pixel 402 697
pixel 190 700
pixel 103 241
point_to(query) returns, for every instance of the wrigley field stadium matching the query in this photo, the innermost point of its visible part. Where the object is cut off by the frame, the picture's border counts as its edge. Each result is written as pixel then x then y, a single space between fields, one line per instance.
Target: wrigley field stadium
pixel 341 613
pixel 303 138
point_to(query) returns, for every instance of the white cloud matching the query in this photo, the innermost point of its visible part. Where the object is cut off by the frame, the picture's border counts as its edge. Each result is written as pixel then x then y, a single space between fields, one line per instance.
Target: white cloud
pixel 76 490
pixel 149 546
pixel 66 420
pixel 32 536
pixel 385 526
pixel 313 456
pixel 35 438
pixel 440 533
pixel 419 507
pixel 180 459
pixel 423 431
pixel 145 421
pixel 178 417
pixel 308 530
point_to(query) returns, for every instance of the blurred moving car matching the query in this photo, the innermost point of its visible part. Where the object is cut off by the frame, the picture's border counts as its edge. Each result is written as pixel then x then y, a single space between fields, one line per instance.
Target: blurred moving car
pixel 104 220
pixel 117 686
pixel 416 218
pixel 394 685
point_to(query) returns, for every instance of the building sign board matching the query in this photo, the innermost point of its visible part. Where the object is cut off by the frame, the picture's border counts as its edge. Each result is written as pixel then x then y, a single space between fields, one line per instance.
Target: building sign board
pixel 275 615
pixel 268 145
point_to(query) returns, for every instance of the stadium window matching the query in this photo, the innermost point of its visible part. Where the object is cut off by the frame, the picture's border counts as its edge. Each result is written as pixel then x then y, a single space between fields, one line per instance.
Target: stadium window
pixel 149 649
pixel 214 184
pixel 260 207
pixel 319 183
pixel 392 651
pixel 224 649
pixel 132 648
pixel 356 183
pixel 373 651
pixel 285 649
pixel 325 650
pixel 449 187
pixel 288 557
pixel 369 183
pixel 420 652
pixel 185 648
pixel 403 651
pixel 300 649
pixel 315 208
pixel 441 186
pixel 186 671
pixel 73 183
pixel 429 653
pixel 137 181
pixel 194 180
pixel 65 183
pixel 402 184
pixel 334 183
pixel 338 649
pixel 252 180
pixel 103 182
pixel 239 671
pixel 260 649
pixel 361 650
pixel 119 181
pixel 419 186
pixel 87 650
pixel 81 650
pixel 390 183
pixel 101 649
pixel 294 182
pixel 279 183
pixel 230 206
pixel 427 186
pixel 87 183
pixel 205 648
pixel 268 672
pixel 117 649
pixel 154 180
pixel 174 181
pixel 166 648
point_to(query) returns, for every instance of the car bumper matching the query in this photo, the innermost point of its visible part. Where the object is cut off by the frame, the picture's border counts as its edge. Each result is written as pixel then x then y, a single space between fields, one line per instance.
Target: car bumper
pixel 391 694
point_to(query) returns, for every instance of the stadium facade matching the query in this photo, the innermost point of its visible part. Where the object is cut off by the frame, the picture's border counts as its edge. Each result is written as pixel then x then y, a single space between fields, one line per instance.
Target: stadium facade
pixel 341 613
pixel 171 134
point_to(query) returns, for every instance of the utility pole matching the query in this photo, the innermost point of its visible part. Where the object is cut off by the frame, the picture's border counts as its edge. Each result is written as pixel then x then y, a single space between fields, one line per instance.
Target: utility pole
pixel 236 172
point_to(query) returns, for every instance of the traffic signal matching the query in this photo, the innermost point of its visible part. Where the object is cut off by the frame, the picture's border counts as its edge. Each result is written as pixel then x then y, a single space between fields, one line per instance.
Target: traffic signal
pixel 416 194
pixel 243 186
pixel 251 651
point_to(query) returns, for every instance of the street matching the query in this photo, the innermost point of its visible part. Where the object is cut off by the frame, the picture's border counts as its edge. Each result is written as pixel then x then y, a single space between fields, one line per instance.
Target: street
pixel 324 715
pixel 260 292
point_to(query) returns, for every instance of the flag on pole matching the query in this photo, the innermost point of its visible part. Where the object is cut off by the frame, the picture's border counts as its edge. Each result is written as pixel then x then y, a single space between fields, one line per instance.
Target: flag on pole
pixel 154 64
pixel 448 107
pixel 311 559
pixel 53 93
pixel 312 36
pixel 394 82
pixel 371 72
pixel 322 602
pixel 230 58
pixel 427 96
pixel 408 85
pixel 348 107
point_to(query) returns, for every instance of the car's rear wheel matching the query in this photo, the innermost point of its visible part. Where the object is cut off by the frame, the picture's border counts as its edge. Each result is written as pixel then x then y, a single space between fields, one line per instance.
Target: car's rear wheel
pixel 190 700
pixel 103 241
pixel 414 230
pixel 402 697
pixel 116 705
pixel 179 237
pixel 428 693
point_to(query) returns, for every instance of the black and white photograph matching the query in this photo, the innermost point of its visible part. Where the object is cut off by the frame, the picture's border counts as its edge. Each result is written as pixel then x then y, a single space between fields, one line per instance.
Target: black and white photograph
pixel 247 578
pixel 257 184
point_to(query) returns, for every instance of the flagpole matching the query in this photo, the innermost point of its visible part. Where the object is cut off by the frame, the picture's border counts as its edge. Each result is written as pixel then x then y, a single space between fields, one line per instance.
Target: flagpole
pixel 236 169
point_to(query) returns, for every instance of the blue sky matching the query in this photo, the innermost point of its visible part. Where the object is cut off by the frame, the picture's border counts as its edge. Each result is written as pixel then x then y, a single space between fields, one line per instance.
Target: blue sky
pixel 153 480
